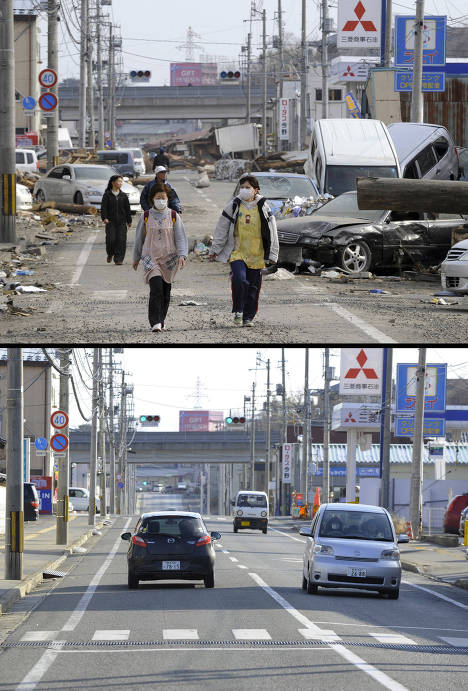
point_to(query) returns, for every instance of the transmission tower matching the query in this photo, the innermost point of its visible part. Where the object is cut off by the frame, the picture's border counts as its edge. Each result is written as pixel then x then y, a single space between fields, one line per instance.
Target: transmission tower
pixel 190 44
pixel 198 395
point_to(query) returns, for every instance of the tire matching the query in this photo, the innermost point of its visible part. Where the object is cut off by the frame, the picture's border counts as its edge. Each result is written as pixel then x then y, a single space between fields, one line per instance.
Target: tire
pixel 40 196
pixel 235 529
pixel 393 594
pixel 304 583
pixel 78 198
pixel 311 587
pixel 132 580
pixel 264 531
pixel 209 580
pixel 355 256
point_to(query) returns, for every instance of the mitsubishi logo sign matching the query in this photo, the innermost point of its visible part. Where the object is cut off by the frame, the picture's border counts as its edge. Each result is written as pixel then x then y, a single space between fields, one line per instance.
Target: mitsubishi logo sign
pixel 361 371
pixel 359 23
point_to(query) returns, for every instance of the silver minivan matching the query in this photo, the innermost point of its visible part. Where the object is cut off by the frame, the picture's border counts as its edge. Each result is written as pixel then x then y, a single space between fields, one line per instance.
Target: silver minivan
pixel 352 546
pixel 425 151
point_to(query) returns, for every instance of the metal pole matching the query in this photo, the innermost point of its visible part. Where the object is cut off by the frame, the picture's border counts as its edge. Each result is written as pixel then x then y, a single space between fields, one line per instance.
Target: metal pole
pixel 284 429
pixel 208 489
pixel 305 429
pixel 252 446
pixel 268 434
pixel 388 34
pixel 63 461
pixel 326 430
pixel 264 115
pixel 83 72
pixel 111 434
pixel 14 507
pixel 90 99
pixel 417 462
pixel 280 47
pixel 125 489
pixel 100 90
pixel 121 436
pixel 303 120
pixel 324 59
pixel 387 431
pixel 351 439
pixel 7 125
pixel 52 63
pixel 417 100
pixel 112 86
pixel 93 441
pixel 102 438
pixel 249 80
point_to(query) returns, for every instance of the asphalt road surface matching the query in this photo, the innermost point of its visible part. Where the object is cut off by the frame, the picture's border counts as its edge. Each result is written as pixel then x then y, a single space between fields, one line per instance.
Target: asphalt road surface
pixel 257 629
pixel 102 303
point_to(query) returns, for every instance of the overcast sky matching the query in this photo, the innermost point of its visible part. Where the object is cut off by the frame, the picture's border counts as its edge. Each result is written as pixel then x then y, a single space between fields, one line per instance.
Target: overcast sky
pixel 165 379
pixel 152 31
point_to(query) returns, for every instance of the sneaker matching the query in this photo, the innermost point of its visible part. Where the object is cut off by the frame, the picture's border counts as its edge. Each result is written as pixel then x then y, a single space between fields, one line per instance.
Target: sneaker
pixel 238 319
pixel 156 327
pixel 247 322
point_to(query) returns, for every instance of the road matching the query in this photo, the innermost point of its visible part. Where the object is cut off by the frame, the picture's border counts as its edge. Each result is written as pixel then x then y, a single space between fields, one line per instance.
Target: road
pixel 255 629
pixel 102 303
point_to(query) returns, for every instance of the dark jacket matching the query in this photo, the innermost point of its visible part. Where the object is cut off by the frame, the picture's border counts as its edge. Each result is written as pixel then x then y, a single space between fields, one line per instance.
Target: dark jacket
pixel 116 208
pixel 161 160
pixel 173 201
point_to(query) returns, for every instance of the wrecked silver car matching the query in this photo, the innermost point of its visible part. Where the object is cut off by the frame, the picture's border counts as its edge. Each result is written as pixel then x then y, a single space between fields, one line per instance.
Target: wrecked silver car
pixel 340 234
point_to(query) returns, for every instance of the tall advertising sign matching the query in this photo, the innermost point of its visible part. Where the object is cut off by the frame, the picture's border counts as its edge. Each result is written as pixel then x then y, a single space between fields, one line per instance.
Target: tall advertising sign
pixel 361 371
pixel 359 23
pixel 283 118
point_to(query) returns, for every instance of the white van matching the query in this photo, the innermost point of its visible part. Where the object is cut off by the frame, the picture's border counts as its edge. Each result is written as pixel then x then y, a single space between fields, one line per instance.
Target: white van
pixel 250 510
pixel 79 497
pixel 138 160
pixel 26 161
pixel 343 149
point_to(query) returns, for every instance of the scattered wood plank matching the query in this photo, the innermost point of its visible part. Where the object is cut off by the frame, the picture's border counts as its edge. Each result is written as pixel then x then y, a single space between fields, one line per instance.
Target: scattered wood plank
pixel 399 194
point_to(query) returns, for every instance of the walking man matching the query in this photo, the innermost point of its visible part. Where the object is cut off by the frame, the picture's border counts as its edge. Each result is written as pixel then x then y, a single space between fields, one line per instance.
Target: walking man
pixel 161 177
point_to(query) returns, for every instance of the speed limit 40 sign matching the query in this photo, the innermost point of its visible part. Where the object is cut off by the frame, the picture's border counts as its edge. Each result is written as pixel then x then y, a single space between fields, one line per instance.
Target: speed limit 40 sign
pixel 59 419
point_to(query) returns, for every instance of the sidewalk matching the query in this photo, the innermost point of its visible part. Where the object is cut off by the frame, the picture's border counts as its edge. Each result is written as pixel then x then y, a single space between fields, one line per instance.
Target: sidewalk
pixel 41 553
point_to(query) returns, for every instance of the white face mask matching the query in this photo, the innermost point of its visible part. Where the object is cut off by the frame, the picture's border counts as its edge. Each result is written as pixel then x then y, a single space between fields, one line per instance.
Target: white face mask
pixel 160 204
pixel 245 193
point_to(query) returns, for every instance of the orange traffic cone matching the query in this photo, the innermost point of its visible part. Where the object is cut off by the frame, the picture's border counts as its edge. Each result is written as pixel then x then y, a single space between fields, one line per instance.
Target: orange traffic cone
pixel 316 502
pixel 409 530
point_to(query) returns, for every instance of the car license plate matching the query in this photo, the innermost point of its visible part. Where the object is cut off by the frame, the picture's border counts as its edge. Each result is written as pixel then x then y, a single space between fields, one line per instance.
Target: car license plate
pixel 245 522
pixel 171 565
pixel 357 573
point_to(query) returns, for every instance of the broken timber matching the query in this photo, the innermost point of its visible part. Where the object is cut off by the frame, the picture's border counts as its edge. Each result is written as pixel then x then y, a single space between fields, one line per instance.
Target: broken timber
pixel 400 194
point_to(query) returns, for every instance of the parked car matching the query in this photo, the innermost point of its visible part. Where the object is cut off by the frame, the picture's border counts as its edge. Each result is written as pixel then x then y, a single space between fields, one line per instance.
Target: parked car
pixel 81 184
pixel 79 496
pixel 343 149
pixel 463 518
pixel 122 161
pixel 454 269
pixel 452 515
pixel 171 546
pixel 279 187
pixel 26 161
pixel 425 151
pixel 341 234
pixel 352 546
pixel 24 198
pixel 31 501
pixel 463 162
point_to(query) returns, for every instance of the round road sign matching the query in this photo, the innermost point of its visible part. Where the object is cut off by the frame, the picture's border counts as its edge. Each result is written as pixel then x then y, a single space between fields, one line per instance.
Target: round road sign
pixel 48 101
pixel 40 443
pixel 29 103
pixel 47 78
pixel 59 442
pixel 59 419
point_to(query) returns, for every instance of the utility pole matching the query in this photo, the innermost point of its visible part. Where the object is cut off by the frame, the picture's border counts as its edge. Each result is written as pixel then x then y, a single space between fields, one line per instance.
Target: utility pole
pixel 111 86
pixel 280 48
pixel 52 63
pixel 303 120
pixel 102 438
pixel 83 71
pixel 264 115
pixel 388 34
pixel 417 99
pixel 14 507
pixel 63 460
pixel 268 433
pixel 417 462
pixel 252 442
pixel 100 90
pixel 284 429
pixel 7 125
pixel 305 429
pixel 387 429
pixel 325 30
pixel 123 442
pixel 326 430
pixel 90 99
pixel 111 434
pixel 93 443
pixel 249 85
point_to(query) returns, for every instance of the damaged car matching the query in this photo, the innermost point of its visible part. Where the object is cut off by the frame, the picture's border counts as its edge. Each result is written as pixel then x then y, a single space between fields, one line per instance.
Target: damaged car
pixel 340 234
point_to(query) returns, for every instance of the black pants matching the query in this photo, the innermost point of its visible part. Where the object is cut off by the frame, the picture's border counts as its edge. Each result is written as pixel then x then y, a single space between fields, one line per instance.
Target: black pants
pixel 245 285
pixel 116 240
pixel 159 298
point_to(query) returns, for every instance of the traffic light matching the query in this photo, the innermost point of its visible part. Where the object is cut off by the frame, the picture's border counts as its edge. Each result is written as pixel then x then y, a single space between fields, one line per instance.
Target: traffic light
pixel 226 76
pixel 235 420
pixel 150 420
pixel 140 75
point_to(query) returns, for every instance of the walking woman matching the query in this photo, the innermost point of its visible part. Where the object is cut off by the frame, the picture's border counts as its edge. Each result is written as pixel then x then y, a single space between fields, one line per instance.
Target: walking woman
pixel 246 237
pixel 115 212
pixel 161 245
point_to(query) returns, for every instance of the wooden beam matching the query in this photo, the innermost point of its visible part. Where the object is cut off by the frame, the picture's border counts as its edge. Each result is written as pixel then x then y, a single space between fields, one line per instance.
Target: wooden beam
pixel 400 194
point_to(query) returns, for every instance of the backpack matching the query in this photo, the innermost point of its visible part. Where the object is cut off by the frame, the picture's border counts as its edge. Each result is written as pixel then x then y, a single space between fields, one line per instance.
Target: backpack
pixel 146 216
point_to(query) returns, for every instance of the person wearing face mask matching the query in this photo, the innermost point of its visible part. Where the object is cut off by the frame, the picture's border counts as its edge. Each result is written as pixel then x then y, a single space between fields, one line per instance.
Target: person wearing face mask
pixel 161 246
pixel 115 212
pixel 160 176
pixel 246 237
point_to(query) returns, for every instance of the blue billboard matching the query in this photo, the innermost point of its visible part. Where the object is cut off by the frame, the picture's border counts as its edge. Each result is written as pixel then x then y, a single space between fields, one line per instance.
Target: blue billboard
pixel 435 33
pixel 433 427
pixel 435 388
pixel 431 81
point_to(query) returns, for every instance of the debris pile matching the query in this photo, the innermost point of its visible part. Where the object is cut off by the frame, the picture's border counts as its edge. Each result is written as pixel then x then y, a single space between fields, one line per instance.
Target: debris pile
pixel 231 168
pixel 292 162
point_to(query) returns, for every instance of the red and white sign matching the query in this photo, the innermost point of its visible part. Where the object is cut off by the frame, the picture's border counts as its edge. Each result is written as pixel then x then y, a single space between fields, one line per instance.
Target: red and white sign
pixel 364 417
pixel 186 73
pixel 287 462
pixel 359 23
pixel 47 78
pixel 361 371
pixel 59 419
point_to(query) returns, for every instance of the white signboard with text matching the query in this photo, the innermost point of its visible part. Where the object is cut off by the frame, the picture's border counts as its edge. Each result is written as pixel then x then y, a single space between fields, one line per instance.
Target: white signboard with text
pixel 287 462
pixel 283 114
pixel 359 23
pixel 361 371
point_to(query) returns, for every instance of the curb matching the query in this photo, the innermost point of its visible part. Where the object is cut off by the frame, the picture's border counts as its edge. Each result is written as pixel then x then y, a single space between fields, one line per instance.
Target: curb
pixel 27 584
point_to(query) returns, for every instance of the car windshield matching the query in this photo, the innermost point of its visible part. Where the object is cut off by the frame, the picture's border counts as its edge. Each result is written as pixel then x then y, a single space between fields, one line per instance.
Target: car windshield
pixel 252 501
pixel 184 527
pixel 94 173
pixel 360 525
pixel 346 205
pixel 283 187
pixel 341 179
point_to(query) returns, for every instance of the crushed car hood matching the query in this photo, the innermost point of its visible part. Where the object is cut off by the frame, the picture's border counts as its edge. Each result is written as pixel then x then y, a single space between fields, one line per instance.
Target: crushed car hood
pixel 317 226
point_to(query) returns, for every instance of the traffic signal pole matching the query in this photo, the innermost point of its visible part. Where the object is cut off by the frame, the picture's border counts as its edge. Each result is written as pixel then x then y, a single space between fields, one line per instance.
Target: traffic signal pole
pixel 14 508
pixel 7 125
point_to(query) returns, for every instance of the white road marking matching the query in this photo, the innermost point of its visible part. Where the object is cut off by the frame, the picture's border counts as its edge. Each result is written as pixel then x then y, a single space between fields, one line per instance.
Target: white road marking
pixel 83 258
pixel 291 537
pixel 111 635
pixel 324 635
pixel 392 638
pixel 180 634
pixel 239 566
pixel 368 329
pixel 439 595
pixel 457 642
pixel 39 636
pixel 225 551
pixel 361 664
pixel 233 559
pixel 251 634
pixel 109 294
pixel 34 676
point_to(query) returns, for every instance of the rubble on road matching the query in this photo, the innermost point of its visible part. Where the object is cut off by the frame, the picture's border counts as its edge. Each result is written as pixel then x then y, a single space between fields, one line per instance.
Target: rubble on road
pixel 281 162
pixel 231 168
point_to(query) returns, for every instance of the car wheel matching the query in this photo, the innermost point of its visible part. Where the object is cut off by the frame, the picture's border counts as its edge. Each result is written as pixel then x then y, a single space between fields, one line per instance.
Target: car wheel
pixel 311 587
pixel 40 196
pixel 393 594
pixel 235 529
pixel 304 583
pixel 78 198
pixel 209 580
pixel 132 580
pixel 264 531
pixel 355 256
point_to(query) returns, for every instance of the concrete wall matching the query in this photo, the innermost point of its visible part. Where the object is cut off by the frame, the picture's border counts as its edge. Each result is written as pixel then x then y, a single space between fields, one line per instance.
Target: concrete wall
pixel 27 68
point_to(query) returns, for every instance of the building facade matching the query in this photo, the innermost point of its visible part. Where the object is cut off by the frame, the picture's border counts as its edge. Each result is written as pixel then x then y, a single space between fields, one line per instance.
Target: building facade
pixel 27 63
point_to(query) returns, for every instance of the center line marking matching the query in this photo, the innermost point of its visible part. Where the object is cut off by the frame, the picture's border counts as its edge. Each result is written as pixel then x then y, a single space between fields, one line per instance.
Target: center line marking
pixel 356 321
pixel 83 258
